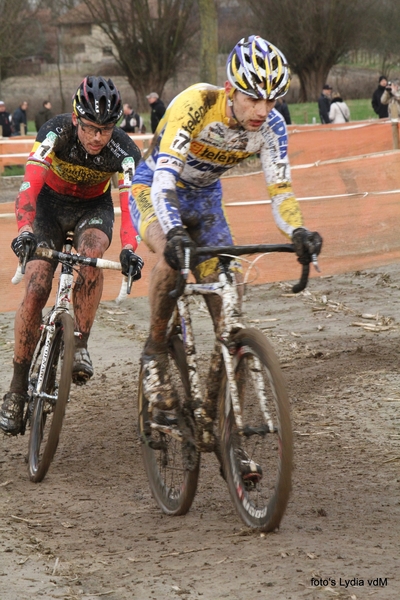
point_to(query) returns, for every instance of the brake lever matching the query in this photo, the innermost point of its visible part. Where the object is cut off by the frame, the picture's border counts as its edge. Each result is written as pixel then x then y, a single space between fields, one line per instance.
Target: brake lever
pixel 129 279
pixel 314 260
pixel 25 258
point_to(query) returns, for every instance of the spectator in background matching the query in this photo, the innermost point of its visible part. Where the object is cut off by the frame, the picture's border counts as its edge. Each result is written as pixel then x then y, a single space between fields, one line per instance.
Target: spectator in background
pixel 132 122
pixel 19 118
pixel 43 115
pixel 157 109
pixel 283 108
pixel 324 103
pixel 391 99
pixel 380 109
pixel 5 120
pixel 339 112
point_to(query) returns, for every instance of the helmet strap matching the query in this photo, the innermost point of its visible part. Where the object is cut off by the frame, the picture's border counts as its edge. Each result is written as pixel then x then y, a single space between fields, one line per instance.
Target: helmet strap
pixel 233 122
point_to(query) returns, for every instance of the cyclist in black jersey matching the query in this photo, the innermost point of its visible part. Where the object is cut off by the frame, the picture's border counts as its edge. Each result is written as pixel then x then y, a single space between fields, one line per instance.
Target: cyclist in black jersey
pixel 67 187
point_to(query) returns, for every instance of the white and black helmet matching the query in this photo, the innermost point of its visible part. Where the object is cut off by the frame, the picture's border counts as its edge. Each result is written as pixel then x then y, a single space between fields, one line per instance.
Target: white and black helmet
pixel 97 100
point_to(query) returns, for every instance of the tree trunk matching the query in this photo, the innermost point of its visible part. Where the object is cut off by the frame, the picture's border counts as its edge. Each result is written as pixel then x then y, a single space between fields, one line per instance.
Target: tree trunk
pixel 209 41
pixel 60 82
pixel 311 84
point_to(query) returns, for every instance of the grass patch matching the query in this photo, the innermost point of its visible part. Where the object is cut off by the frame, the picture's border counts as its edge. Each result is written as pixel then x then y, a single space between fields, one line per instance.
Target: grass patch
pixel 31 129
pixel 12 170
pixel 301 114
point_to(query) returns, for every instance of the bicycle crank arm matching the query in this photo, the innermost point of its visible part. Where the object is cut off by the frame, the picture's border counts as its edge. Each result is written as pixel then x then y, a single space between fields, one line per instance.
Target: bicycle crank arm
pixel 248 431
pixel 167 431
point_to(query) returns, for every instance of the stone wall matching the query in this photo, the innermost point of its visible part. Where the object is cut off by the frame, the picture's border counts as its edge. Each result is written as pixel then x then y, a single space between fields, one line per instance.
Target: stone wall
pixel 37 88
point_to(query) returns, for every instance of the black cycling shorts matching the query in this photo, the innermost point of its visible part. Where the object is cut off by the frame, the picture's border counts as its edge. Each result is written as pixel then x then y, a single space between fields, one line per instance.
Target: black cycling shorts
pixel 57 214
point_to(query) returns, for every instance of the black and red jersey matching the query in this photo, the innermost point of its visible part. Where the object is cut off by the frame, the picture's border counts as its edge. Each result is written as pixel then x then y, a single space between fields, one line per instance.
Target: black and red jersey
pixel 59 160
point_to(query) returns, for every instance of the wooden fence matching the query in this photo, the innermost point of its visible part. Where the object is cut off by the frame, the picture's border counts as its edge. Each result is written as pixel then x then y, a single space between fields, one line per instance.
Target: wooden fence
pixel 15 150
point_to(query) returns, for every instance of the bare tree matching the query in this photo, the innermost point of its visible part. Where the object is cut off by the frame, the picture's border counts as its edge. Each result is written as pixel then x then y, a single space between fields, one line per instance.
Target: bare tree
pixel 54 9
pixel 209 41
pixel 150 38
pixel 16 18
pixel 235 21
pixel 313 34
pixel 382 34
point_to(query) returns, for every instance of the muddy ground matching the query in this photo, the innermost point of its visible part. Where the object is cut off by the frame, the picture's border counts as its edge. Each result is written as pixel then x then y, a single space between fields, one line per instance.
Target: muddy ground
pixel 91 529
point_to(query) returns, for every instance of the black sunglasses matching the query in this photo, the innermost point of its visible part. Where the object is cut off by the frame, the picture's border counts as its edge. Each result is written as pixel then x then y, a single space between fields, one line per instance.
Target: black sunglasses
pixel 92 129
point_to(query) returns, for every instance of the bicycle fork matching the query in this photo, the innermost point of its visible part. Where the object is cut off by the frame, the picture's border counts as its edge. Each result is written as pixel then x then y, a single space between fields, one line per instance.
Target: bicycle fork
pixel 35 384
pixel 255 369
pixel 205 408
pixel 63 301
pixel 204 422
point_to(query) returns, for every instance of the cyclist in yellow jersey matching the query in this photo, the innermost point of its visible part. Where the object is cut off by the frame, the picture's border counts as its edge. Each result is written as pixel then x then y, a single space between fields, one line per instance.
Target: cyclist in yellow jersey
pixel 176 198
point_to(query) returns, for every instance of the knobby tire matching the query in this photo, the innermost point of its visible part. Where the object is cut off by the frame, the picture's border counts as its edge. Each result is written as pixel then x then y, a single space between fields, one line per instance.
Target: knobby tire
pixel 46 424
pixel 172 483
pixel 261 503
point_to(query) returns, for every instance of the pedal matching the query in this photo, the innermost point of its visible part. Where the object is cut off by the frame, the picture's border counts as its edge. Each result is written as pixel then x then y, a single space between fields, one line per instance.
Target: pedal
pixel 167 429
pixel 163 419
pixel 165 425
pixel 80 377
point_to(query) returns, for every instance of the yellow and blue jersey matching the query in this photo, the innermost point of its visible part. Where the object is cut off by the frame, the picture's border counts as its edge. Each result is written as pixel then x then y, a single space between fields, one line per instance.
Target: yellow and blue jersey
pixel 196 142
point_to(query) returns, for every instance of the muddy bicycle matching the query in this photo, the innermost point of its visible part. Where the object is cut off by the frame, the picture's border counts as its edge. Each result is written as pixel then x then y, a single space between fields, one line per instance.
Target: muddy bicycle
pixel 50 374
pixel 243 416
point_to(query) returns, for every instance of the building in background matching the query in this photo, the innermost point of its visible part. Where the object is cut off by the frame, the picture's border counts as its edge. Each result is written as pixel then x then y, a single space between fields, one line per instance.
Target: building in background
pixel 81 40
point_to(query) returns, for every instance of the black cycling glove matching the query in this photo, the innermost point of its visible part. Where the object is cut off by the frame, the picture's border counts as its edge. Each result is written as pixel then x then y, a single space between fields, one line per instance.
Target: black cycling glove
pixel 24 245
pixel 306 243
pixel 177 241
pixel 128 258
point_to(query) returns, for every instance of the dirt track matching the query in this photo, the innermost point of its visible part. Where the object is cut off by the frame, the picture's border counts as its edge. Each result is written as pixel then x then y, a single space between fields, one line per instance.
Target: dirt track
pixel 91 529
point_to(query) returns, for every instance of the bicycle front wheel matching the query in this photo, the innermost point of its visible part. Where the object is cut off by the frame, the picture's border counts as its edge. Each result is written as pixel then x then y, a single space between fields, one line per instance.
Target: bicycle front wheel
pixel 172 464
pixel 49 405
pixel 257 459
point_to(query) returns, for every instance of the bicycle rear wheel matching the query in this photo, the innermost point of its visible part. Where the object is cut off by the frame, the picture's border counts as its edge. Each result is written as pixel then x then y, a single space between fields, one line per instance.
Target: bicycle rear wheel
pixel 257 461
pixel 172 465
pixel 49 406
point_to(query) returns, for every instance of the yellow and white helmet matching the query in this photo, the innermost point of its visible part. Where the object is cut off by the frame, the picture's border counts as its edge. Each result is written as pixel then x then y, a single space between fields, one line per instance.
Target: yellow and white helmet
pixel 257 68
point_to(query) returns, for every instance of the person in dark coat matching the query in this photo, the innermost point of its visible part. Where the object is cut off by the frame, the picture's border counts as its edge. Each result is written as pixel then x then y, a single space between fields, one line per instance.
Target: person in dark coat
pixel 283 108
pixel 19 118
pixel 132 122
pixel 44 115
pixel 5 120
pixel 157 109
pixel 324 103
pixel 380 109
